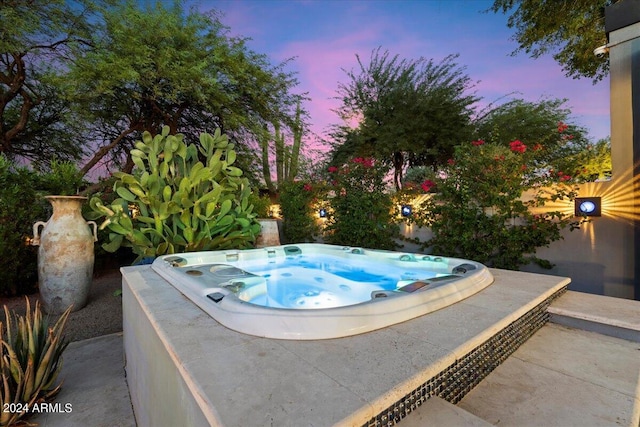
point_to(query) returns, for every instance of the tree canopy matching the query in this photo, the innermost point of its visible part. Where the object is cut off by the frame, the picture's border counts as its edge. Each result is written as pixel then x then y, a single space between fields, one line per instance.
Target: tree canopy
pixel 82 77
pixel 546 123
pixel 161 66
pixel 35 122
pixel 409 111
pixel 569 30
pixel 548 127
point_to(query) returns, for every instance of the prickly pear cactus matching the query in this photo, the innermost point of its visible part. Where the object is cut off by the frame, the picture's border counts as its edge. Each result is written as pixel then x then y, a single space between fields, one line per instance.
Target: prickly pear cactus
pixel 173 202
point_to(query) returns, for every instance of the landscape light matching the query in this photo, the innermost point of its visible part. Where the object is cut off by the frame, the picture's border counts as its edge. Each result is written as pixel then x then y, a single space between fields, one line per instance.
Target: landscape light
pixel 322 212
pixel 588 206
pixel 406 210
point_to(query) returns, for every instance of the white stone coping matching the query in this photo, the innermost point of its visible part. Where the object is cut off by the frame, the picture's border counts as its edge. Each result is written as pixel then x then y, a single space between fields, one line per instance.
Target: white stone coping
pixel 618 312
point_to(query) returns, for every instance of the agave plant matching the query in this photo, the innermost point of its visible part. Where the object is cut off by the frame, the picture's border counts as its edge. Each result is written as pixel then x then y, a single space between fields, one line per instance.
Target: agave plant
pixel 174 202
pixel 30 361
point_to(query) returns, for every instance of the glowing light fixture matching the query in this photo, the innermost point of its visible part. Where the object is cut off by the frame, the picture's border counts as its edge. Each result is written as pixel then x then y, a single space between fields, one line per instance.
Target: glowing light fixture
pixel 406 210
pixel 588 206
pixel 274 211
pixel 322 212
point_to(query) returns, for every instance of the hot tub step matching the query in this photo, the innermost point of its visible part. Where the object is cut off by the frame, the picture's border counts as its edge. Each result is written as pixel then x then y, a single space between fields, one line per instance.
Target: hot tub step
pixel 615 317
pixel 438 412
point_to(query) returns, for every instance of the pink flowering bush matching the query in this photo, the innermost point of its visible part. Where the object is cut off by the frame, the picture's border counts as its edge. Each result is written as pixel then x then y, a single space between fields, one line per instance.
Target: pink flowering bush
pixel 427 185
pixel 517 146
pixel 478 211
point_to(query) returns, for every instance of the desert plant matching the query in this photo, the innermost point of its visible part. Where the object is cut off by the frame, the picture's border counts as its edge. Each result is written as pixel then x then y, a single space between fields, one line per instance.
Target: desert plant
pixel 287 157
pixel 30 361
pixel 176 203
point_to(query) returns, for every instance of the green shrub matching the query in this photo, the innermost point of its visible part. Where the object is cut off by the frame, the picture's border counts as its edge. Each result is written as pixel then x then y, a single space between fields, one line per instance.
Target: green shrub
pixel 21 205
pixel 298 208
pixel 176 203
pixel 260 204
pixel 62 179
pixel 361 207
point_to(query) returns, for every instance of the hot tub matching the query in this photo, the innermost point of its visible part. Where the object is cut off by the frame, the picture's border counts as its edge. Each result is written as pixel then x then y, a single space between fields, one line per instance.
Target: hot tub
pixel 318 291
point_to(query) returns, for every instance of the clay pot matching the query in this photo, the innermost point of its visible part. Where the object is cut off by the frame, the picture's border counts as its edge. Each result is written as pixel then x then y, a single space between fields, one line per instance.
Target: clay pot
pixel 65 255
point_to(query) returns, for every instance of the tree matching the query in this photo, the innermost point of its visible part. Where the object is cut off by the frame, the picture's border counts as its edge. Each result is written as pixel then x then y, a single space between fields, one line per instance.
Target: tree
pixel 593 163
pixel 161 66
pixel 570 30
pixel 35 123
pixel 410 111
pixel 547 127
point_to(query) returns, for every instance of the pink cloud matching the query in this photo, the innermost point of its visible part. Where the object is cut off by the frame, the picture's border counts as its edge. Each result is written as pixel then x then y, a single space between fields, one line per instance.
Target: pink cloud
pixel 325 37
pixel 320 66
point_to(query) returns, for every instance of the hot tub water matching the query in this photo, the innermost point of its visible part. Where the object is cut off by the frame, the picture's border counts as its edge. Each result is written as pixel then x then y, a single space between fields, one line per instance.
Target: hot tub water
pixel 314 291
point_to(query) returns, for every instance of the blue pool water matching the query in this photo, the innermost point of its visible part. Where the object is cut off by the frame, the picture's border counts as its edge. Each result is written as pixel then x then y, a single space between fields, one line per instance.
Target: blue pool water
pixel 312 291
pixel 320 281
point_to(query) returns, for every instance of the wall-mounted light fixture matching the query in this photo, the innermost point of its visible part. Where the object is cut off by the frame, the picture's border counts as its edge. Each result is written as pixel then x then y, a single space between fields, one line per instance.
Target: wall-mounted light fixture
pixel 322 212
pixel 406 210
pixel 274 211
pixel 588 206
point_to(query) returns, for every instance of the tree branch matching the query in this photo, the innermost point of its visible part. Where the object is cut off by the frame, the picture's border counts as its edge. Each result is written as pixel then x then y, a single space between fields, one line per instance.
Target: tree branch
pixel 103 151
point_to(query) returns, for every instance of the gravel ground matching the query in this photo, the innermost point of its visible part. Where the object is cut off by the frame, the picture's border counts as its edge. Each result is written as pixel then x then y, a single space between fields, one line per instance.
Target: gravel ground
pixel 101 316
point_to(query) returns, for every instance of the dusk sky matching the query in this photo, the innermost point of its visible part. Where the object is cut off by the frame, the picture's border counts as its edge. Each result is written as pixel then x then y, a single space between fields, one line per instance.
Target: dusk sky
pixel 324 36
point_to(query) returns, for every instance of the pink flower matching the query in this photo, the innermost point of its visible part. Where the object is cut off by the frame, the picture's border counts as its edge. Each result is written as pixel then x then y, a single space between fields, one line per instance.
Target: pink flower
pixel 451 162
pixel 427 185
pixel 477 143
pixel 307 187
pixel 365 162
pixel 332 169
pixel 562 127
pixel 517 146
